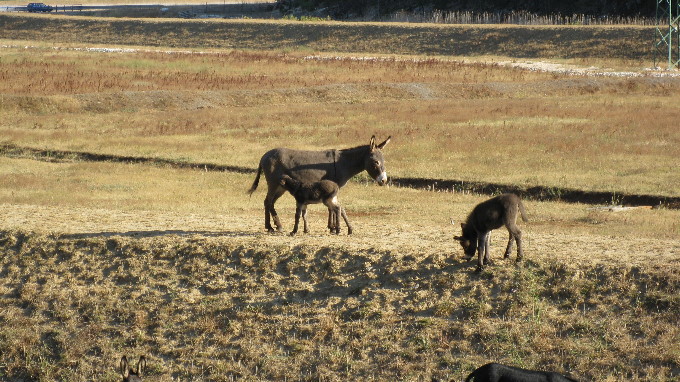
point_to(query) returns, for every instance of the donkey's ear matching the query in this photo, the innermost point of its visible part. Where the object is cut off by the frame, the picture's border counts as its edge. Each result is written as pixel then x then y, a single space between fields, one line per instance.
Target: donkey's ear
pixel 380 146
pixel 372 144
pixel 141 365
pixel 124 369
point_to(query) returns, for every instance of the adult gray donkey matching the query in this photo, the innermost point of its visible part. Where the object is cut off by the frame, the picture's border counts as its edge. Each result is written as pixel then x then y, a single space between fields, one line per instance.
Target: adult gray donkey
pixel 313 166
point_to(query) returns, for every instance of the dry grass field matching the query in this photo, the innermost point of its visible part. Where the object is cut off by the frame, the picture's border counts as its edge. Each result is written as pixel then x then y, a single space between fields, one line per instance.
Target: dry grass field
pixel 103 258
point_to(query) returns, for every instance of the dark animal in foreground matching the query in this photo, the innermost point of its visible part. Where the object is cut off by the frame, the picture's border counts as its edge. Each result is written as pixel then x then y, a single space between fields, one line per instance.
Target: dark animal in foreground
pixel 495 372
pixel 313 166
pixel 489 215
pixel 130 375
pixel 324 191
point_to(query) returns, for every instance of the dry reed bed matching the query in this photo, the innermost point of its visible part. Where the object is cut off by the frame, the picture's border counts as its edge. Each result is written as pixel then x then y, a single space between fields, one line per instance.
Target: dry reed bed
pixel 47 71
pixel 512 41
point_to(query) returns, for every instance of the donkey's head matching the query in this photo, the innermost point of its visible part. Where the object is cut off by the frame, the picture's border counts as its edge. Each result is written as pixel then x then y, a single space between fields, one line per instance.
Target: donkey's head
pixel 375 163
pixel 289 183
pixel 130 375
pixel 468 239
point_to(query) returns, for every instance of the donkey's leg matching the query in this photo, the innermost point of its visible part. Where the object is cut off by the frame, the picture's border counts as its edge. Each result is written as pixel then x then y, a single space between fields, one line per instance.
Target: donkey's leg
pixel 511 241
pixel 333 214
pixel 304 217
pixel 518 238
pixel 515 232
pixel 267 215
pixel 298 212
pixel 344 217
pixel 516 235
pixel 481 240
pixel 331 220
pixel 487 250
pixel 337 211
pixel 273 195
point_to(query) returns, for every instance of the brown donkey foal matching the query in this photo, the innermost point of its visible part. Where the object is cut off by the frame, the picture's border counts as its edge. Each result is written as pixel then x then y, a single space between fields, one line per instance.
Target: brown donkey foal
pixel 324 191
pixel 130 375
pixel 489 215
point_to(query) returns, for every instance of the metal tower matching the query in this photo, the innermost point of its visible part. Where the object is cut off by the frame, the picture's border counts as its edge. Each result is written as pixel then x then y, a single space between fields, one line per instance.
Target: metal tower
pixel 667 36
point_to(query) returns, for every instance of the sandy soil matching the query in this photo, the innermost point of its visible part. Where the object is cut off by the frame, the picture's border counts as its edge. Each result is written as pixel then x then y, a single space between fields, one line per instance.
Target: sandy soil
pixel 370 235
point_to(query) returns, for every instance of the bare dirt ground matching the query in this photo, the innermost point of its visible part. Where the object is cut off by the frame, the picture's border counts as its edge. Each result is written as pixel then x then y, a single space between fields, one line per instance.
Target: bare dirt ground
pixel 371 234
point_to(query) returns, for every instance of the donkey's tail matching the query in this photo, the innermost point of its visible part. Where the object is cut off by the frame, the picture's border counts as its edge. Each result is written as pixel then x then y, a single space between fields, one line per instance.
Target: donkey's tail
pixel 523 211
pixel 257 180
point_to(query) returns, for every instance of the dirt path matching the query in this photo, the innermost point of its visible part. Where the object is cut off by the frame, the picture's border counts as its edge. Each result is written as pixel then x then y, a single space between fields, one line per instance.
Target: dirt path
pixel 529 65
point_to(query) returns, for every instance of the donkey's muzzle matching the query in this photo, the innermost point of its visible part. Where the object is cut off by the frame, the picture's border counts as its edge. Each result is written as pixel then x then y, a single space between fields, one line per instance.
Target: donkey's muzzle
pixel 382 178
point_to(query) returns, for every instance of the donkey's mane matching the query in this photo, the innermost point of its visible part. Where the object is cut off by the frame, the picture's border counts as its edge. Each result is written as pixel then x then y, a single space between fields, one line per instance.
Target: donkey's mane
pixel 354 148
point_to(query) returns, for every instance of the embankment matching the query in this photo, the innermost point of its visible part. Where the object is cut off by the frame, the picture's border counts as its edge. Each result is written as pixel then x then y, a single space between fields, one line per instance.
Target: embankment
pixel 225 308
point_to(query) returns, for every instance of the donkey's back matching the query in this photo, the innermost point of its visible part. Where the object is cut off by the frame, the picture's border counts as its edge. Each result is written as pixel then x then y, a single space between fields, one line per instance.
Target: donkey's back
pixel 496 212
pixel 306 166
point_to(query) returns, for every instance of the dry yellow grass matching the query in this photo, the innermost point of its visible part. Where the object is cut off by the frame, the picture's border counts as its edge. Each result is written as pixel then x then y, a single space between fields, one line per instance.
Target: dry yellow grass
pixel 215 298
pixel 104 259
pixel 570 131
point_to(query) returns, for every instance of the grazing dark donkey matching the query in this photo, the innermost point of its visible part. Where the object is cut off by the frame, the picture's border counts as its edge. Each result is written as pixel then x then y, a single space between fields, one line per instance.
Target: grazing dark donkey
pixel 313 166
pixel 487 216
pixel 324 191
pixel 130 375
pixel 495 372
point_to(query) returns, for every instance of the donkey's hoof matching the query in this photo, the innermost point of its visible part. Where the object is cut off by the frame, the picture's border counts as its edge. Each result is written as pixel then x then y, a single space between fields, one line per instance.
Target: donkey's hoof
pixel 479 269
pixel 349 231
pixel 292 233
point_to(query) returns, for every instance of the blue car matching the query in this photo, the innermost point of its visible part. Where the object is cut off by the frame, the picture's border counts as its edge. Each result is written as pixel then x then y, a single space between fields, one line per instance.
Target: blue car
pixel 39 7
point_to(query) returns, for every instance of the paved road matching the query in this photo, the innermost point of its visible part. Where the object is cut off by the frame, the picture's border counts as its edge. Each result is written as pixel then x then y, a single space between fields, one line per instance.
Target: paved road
pixel 99 7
